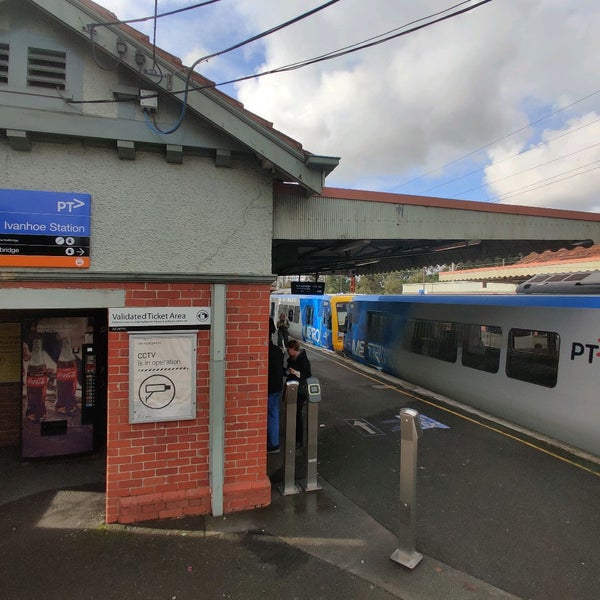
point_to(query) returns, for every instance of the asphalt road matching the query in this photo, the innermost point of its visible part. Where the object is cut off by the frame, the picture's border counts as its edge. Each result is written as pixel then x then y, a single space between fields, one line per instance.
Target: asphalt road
pixel 494 503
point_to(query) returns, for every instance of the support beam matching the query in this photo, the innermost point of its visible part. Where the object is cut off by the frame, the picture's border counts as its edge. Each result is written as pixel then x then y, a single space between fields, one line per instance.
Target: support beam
pixel 174 154
pixel 18 140
pixel 223 158
pixel 126 149
pixel 218 332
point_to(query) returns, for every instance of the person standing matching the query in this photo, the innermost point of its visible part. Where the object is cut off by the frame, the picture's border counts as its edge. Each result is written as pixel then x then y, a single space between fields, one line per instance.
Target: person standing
pixel 298 369
pixel 275 386
pixel 282 331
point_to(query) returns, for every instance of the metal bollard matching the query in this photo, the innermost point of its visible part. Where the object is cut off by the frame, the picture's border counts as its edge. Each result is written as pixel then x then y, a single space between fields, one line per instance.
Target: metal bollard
pixel 289 458
pixel 410 432
pixel 314 397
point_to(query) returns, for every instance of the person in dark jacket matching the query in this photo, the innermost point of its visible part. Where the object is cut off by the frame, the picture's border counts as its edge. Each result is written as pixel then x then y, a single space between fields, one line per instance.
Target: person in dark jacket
pixel 275 386
pixel 298 369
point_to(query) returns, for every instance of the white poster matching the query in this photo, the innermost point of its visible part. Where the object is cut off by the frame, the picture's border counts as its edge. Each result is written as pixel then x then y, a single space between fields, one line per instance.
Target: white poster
pixel 162 377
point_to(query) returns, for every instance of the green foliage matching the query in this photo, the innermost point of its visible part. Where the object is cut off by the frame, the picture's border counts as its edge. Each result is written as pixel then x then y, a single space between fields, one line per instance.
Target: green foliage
pixel 337 284
pixel 392 283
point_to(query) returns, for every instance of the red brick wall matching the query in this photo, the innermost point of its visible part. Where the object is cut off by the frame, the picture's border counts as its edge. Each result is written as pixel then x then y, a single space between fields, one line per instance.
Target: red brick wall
pixel 161 470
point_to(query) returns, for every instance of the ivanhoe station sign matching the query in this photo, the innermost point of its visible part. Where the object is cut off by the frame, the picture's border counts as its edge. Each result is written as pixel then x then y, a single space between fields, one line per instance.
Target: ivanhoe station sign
pixel 44 229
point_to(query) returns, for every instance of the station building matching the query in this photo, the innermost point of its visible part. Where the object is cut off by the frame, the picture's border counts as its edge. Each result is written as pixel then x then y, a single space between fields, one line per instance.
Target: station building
pixel 135 253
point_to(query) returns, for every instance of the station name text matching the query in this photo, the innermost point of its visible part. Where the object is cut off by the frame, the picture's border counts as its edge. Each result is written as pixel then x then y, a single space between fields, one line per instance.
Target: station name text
pixel 42 227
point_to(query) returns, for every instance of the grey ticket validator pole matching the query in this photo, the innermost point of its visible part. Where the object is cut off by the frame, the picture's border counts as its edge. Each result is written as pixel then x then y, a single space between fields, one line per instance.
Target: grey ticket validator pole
pixel 410 432
pixel 289 459
pixel 314 397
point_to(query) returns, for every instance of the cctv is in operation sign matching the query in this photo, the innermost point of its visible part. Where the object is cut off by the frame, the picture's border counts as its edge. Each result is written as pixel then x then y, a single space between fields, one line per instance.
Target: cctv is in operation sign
pixel 162 377
pixel 44 229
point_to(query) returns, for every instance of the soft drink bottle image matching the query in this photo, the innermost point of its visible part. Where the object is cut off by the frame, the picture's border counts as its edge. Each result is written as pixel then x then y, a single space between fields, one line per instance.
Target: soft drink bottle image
pixel 36 382
pixel 66 378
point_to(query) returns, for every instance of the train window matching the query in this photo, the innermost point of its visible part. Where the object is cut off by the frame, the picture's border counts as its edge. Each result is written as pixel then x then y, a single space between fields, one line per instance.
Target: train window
pixel 310 313
pixel 296 314
pixel 533 356
pixel 437 339
pixel 481 347
pixel 342 314
pixel 378 324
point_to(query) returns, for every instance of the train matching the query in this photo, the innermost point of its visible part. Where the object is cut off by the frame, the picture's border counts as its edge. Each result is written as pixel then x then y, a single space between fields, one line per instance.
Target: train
pixel 530 359
pixel 319 320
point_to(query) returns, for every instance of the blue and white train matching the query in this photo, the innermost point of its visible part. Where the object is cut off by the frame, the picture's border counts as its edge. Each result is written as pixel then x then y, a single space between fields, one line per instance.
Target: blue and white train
pixel 532 359
pixel 317 319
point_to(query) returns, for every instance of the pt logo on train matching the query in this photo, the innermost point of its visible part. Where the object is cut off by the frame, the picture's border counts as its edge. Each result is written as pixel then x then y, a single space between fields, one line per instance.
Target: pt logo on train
pixel 578 349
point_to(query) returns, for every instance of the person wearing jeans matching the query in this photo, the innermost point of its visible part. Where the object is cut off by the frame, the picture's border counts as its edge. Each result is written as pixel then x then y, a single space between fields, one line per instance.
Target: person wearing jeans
pixel 275 386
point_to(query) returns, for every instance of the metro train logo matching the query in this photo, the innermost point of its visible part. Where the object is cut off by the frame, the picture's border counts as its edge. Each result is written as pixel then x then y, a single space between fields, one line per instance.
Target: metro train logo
pixel 358 348
pixel 376 353
pixel 590 350
pixel 312 335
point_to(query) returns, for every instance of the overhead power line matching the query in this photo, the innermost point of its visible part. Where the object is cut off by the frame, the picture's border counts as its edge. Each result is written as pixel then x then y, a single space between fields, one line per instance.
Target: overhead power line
pixel 360 45
pixel 92 27
pixel 492 143
pixel 329 56
pixel 532 187
pixel 514 174
pixel 154 16
pixel 304 15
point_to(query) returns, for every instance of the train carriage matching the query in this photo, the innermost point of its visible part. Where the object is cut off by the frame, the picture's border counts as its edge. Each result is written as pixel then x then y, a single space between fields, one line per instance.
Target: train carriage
pixel 531 359
pixel 316 319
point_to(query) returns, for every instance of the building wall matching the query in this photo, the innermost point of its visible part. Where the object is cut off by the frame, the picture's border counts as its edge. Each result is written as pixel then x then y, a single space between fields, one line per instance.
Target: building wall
pixel 161 470
pixel 150 216
pixel 162 233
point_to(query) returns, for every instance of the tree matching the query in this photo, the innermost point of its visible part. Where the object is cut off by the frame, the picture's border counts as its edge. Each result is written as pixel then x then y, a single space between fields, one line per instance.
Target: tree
pixel 392 283
pixel 337 284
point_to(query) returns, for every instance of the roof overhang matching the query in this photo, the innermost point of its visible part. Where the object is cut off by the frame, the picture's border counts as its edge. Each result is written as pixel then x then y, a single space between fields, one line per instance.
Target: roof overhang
pixel 127 45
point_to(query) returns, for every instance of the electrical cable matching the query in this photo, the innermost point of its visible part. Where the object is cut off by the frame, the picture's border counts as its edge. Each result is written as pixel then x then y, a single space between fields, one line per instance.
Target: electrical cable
pixel 496 141
pixel 348 50
pixel 155 16
pixel 334 52
pixel 234 47
pixel 520 153
pixel 353 49
pixel 115 65
pixel 154 34
pixel 328 56
pixel 548 162
pixel 532 187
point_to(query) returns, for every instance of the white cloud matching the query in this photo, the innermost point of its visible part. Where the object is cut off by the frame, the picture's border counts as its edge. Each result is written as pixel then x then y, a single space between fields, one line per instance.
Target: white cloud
pixel 561 171
pixel 411 105
pixel 430 97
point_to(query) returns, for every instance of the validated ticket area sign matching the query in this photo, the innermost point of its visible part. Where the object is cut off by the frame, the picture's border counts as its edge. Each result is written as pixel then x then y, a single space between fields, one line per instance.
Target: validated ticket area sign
pixel 159 317
pixel 44 229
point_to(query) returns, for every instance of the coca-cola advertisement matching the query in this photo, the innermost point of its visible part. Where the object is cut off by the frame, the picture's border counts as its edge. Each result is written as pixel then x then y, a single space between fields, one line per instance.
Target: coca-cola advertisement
pixel 52 384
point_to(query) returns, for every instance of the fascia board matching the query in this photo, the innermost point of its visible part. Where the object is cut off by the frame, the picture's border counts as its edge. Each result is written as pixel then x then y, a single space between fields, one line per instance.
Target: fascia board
pixel 103 128
pixel 77 16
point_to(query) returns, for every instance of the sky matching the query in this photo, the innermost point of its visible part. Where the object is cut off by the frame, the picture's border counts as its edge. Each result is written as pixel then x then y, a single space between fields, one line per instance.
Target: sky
pixel 499 104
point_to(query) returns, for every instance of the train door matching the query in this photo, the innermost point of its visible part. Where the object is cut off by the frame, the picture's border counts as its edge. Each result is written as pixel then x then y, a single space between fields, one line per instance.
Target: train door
pixel 326 325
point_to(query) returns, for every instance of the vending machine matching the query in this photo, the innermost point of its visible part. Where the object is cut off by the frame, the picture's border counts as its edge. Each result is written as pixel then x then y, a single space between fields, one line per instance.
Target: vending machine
pixel 60 385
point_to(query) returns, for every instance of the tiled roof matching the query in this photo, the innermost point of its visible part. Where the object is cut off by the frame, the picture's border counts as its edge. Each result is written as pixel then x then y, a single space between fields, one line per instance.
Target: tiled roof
pixel 580 253
pixel 559 261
